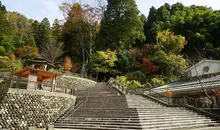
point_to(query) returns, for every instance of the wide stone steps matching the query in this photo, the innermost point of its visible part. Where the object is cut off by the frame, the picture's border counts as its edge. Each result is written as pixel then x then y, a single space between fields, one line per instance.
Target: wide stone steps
pixel 104 109
pixel 125 126
pixel 161 119
pixel 136 122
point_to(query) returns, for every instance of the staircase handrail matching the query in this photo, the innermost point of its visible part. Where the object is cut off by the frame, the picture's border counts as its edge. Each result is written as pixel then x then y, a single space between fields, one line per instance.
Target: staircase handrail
pixel 121 88
pixel 185 99
pixel 185 104
pixel 76 107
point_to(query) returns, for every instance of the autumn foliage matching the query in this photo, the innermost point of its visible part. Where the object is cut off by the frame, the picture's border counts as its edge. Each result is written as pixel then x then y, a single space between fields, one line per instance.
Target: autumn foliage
pixel 168 92
pixel 75 67
pixel 12 56
pixel 27 52
pixel 67 63
pixel 217 92
pixel 148 66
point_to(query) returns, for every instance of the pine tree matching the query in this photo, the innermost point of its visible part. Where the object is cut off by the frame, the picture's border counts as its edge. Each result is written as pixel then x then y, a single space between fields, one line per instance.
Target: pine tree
pixel 45 32
pixel 121 25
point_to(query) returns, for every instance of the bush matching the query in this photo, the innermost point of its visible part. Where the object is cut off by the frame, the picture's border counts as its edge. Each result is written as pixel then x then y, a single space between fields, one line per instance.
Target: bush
pixel 156 82
pixel 129 84
pixel 14 65
pixel 138 76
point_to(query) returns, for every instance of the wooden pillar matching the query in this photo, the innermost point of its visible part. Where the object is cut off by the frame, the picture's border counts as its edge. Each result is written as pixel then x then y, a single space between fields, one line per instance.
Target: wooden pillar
pixel 52 84
pixel 32 81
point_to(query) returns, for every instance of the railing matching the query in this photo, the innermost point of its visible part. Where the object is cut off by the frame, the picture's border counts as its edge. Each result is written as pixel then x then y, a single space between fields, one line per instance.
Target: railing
pixel 40 86
pixel 4 88
pixel 183 100
pixel 71 111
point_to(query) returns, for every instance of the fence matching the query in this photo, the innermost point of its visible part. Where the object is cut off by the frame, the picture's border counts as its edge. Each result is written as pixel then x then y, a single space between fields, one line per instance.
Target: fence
pixel 4 89
pixel 34 85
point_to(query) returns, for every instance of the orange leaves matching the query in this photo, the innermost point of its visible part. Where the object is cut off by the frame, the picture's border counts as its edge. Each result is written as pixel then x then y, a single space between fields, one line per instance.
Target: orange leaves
pixel 67 63
pixel 27 52
pixel 76 11
pixel 12 56
pixel 148 66
pixel 168 92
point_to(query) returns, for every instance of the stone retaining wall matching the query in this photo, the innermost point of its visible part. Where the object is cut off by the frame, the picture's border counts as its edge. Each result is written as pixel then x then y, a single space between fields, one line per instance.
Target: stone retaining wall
pixel 75 82
pixel 21 109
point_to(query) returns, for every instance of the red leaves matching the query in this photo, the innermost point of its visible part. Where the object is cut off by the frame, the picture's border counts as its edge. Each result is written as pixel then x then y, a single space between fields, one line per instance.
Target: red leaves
pixel 217 92
pixel 148 66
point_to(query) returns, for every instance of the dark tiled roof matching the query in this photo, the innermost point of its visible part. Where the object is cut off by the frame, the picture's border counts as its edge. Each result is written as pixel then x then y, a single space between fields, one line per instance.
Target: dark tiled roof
pixel 192 83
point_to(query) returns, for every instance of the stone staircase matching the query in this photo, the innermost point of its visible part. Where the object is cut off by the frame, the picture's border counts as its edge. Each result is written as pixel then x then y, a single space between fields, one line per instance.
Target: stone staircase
pixel 105 109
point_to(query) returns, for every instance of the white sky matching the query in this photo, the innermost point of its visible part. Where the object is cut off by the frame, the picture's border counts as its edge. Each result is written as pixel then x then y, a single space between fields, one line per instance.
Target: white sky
pixel 38 9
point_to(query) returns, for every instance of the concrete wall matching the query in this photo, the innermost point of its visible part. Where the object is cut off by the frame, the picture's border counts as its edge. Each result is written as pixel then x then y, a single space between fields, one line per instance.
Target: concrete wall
pixel 214 67
pixel 21 109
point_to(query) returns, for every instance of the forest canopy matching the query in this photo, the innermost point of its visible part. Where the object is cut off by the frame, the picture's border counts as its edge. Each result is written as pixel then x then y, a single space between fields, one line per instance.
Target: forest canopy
pixel 115 39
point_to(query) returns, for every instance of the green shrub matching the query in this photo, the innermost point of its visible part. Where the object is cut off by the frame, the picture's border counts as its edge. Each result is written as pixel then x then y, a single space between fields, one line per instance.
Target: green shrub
pixel 129 83
pixel 138 76
pixel 14 65
pixel 156 82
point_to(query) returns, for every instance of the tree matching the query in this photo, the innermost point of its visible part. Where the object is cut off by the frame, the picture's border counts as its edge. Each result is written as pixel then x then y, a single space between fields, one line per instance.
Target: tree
pixel 56 30
pixel 166 55
pixel 52 51
pixel 36 32
pixel 67 64
pixel 27 52
pixel 198 24
pixel 22 29
pixel 103 62
pixel 78 33
pixel 120 26
pixel 45 32
pixel 170 43
pixel 6 42
pixel 14 65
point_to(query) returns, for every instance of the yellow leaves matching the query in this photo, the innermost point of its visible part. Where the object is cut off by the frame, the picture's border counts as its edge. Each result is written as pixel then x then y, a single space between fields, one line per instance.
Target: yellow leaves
pixel 169 42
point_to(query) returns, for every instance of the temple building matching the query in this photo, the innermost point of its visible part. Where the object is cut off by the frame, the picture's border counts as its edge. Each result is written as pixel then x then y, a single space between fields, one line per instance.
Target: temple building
pixel 36 72
pixel 205 75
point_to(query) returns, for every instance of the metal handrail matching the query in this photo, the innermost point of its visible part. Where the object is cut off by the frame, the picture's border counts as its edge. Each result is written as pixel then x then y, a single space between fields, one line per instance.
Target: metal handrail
pixel 75 108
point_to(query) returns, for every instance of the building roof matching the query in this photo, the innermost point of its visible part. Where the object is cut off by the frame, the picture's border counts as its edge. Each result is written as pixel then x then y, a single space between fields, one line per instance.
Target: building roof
pixel 192 83
pixel 41 60
pixel 41 75
pixel 202 61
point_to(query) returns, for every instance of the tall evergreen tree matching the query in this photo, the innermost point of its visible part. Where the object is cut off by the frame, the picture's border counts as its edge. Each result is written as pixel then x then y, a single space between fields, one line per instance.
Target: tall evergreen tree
pixel 121 25
pixel 36 32
pixel 56 30
pixel 45 32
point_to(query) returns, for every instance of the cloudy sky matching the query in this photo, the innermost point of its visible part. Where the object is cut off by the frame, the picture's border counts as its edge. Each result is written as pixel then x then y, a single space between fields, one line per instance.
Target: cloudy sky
pixel 38 9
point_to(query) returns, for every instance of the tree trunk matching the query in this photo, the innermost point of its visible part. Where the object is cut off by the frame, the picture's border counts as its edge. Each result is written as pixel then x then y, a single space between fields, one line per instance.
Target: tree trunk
pixel 97 76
